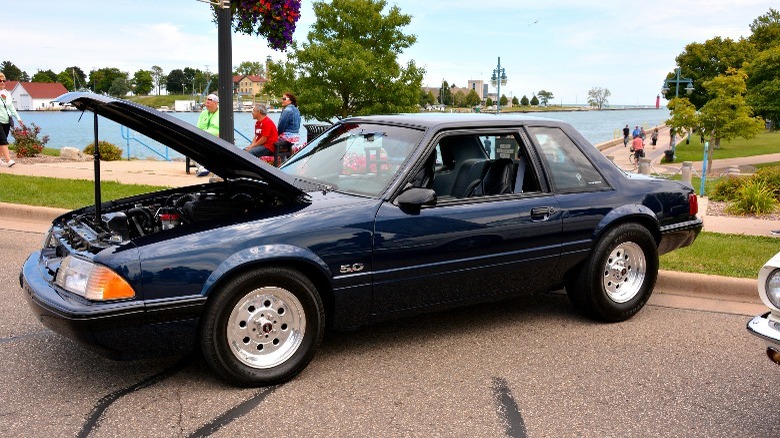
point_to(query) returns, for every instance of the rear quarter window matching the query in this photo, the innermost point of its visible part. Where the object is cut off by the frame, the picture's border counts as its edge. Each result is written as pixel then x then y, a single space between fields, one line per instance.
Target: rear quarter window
pixel 569 168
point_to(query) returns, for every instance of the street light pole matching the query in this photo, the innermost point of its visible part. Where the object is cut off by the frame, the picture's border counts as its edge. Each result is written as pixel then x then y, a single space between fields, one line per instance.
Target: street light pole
pixel 677 81
pixel 497 80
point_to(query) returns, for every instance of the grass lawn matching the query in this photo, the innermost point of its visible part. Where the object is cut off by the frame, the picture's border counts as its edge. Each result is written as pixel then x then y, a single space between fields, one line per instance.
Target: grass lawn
pixel 767 142
pixel 729 255
pixel 63 193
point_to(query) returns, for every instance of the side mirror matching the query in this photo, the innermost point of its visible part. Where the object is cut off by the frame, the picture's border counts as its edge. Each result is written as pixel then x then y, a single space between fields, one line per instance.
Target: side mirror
pixel 415 197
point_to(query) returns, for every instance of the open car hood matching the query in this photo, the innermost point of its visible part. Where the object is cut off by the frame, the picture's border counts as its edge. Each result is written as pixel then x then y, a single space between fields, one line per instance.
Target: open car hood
pixel 219 156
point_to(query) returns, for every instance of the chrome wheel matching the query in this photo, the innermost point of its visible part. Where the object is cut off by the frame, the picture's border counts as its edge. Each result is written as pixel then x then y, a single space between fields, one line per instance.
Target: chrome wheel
pixel 624 272
pixel 266 327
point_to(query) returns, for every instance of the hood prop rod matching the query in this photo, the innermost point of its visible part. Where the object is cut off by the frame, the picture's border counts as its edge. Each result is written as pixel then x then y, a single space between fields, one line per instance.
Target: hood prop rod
pixel 96 159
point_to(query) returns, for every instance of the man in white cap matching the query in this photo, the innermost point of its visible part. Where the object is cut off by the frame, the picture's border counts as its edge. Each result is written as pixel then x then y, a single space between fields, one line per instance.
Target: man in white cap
pixel 209 122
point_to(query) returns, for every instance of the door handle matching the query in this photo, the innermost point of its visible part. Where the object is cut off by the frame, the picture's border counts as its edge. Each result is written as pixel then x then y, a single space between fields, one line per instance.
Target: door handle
pixel 542 213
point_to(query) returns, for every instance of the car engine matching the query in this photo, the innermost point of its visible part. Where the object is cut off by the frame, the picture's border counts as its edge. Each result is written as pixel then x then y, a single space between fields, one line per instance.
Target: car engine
pixel 136 217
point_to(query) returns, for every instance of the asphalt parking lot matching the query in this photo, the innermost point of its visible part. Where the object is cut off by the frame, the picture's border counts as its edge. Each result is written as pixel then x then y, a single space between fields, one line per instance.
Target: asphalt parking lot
pixel 524 367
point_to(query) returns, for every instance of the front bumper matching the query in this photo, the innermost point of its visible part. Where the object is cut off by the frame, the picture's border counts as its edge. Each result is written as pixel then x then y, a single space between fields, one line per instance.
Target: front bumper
pixel 118 330
pixel 766 329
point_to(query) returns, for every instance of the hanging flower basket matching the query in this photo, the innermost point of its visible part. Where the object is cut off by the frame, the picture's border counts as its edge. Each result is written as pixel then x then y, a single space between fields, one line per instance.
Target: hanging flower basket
pixel 273 19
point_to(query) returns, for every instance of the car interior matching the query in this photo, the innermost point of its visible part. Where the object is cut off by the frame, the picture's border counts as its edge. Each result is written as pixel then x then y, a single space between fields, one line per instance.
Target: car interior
pixel 473 165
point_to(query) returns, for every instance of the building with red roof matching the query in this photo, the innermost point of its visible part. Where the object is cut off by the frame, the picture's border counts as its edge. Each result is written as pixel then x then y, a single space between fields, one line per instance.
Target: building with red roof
pixel 35 96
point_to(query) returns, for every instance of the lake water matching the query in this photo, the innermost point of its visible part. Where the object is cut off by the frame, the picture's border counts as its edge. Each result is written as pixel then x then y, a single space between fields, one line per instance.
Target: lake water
pixel 70 128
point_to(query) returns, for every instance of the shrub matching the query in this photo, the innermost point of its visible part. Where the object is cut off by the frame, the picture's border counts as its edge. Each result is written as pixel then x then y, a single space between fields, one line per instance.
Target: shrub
pixel 108 151
pixel 26 141
pixel 726 189
pixel 754 197
pixel 771 177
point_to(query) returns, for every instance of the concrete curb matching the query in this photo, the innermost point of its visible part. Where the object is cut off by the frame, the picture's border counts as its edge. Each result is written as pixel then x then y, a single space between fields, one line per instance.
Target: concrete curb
pixel 30 212
pixel 715 287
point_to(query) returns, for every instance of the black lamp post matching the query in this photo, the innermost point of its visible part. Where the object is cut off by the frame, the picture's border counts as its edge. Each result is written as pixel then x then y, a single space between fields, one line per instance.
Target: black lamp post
pixel 497 80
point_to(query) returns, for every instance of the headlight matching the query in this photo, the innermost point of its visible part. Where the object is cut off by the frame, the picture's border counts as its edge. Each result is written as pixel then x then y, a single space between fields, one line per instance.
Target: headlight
pixel 773 288
pixel 91 281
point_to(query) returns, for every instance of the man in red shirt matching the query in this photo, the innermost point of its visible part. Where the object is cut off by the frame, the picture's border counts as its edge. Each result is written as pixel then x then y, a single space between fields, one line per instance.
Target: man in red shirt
pixel 639 147
pixel 265 133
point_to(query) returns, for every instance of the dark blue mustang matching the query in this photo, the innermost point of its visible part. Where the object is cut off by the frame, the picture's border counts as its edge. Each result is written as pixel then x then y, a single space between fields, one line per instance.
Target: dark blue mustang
pixel 379 217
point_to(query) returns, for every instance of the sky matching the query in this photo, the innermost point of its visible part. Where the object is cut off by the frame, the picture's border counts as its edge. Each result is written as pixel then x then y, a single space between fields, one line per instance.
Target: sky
pixel 566 47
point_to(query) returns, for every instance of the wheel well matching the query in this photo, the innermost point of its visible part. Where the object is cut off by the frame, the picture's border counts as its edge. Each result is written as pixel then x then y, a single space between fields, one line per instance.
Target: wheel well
pixel 316 276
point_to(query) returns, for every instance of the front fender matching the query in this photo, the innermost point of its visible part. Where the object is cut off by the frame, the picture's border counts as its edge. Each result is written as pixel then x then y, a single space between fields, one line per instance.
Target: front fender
pixel 263 253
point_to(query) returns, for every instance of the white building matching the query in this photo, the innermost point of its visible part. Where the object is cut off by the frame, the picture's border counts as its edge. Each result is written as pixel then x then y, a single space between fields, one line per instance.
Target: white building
pixel 35 96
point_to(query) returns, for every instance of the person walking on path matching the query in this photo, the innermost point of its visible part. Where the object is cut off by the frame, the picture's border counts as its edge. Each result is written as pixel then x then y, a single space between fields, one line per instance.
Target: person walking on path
pixel 638 145
pixel 636 132
pixel 209 122
pixel 626 132
pixel 290 119
pixel 7 110
pixel 265 133
pixel 654 137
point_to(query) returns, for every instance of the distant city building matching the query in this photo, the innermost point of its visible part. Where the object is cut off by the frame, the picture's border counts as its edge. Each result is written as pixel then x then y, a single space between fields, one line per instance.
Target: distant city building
pixel 479 86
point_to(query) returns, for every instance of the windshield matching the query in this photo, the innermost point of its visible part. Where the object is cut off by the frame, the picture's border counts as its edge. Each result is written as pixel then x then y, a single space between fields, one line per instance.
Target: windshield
pixel 357 158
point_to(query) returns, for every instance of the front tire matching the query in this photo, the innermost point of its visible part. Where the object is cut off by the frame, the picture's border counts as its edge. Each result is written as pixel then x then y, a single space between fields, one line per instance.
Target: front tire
pixel 616 281
pixel 263 327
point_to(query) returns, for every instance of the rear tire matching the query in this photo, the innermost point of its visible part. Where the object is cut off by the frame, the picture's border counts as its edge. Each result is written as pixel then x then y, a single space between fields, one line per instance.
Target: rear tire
pixel 263 327
pixel 616 280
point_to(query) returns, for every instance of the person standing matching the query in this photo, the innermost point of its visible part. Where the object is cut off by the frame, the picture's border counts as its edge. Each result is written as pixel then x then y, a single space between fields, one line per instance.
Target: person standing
pixel 7 110
pixel 290 119
pixel 639 148
pixel 636 132
pixel 654 137
pixel 626 132
pixel 265 133
pixel 209 122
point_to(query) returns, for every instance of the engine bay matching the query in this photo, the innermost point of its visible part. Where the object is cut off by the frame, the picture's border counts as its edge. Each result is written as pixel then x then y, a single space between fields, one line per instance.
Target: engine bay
pixel 124 220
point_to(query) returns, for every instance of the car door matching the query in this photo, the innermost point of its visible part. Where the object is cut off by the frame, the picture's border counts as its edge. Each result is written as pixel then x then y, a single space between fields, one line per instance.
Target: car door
pixel 467 248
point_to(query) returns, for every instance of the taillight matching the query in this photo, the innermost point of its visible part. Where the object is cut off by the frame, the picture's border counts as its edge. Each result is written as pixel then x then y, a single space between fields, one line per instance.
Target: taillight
pixel 693 204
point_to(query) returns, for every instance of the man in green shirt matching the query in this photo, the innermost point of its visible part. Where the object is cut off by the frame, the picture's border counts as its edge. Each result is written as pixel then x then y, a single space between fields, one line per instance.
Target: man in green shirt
pixel 209 122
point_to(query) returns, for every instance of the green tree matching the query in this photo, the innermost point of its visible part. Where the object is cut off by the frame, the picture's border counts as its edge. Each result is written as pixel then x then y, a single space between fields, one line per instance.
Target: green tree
pixel 102 79
pixel 598 97
pixel 445 94
pixel 46 76
pixel 250 68
pixel 503 100
pixel 143 82
pixel 704 62
pixel 727 116
pixel 427 98
pixel 72 78
pixel 489 102
pixel 515 102
pixel 472 99
pixel 524 101
pixel 545 97
pixel 683 115
pixel 12 72
pixel 120 86
pixel 158 77
pixel 459 99
pixel 66 80
pixel 349 64
pixel 175 82
pixel 766 30
pixel 534 101
pixel 763 83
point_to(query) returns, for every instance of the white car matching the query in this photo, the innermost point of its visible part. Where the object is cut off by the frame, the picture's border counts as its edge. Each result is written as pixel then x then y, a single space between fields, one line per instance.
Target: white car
pixel 767 326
